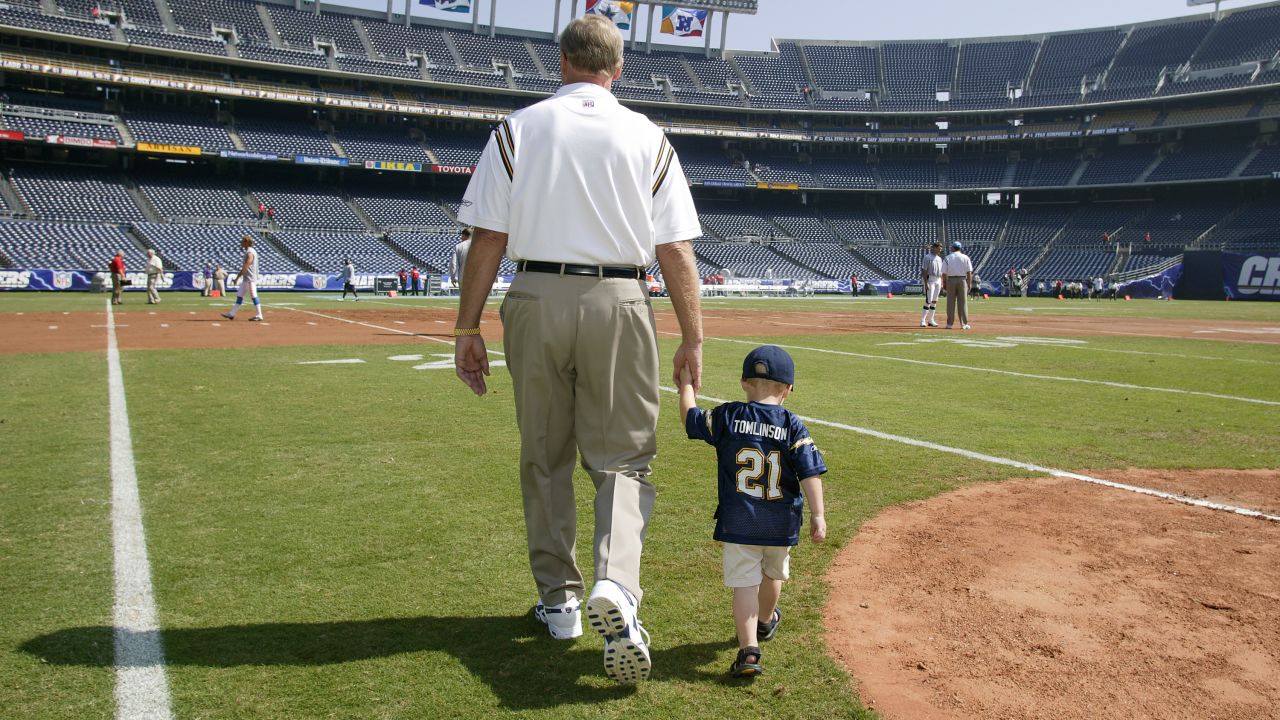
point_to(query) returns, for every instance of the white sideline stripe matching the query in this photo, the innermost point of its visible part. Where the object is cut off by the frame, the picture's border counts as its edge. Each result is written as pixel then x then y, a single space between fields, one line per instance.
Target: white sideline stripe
pixel 379 327
pixel 1032 467
pixel 347 361
pixel 142 689
pixel 1033 376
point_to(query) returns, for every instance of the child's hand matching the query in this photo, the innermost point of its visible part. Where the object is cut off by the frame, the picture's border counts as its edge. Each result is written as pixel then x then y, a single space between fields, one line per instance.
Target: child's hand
pixel 686 377
pixel 817 528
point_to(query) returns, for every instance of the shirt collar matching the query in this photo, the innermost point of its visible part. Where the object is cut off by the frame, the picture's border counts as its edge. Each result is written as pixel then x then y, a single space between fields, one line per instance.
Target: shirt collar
pixel 585 88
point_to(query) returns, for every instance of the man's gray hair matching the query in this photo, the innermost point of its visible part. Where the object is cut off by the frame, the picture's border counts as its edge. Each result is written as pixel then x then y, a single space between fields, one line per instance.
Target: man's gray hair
pixel 592 44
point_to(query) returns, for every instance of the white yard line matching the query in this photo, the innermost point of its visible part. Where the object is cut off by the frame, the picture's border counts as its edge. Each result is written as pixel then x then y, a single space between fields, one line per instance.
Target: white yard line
pixel 377 327
pixel 1031 467
pixel 1011 373
pixel 142 689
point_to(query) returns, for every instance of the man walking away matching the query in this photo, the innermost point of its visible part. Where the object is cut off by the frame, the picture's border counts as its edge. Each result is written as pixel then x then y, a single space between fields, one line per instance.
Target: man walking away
pixel 958 270
pixel 349 280
pixel 155 270
pixel 117 277
pixel 248 281
pixel 582 193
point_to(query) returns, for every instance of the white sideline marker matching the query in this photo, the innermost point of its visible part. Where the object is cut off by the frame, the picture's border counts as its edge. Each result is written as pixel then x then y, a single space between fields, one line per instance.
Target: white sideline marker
pixel 1033 376
pixel 380 327
pixel 1032 467
pixel 347 361
pixel 142 688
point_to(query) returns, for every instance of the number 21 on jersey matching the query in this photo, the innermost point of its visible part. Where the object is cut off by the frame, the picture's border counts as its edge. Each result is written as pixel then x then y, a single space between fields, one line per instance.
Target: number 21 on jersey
pixel 754 465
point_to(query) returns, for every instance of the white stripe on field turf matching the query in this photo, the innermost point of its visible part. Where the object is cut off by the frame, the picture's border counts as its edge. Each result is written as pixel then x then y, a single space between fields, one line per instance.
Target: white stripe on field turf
pixel 142 690
pixel 1033 376
pixel 378 327
pixel 1032 467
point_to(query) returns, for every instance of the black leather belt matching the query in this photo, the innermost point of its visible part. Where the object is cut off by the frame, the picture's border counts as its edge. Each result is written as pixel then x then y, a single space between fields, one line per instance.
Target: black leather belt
pixel 603 271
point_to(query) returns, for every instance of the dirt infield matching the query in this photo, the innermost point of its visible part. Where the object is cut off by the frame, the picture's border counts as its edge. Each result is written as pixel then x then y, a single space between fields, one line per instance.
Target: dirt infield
pixel 383 324
pixel 1057 599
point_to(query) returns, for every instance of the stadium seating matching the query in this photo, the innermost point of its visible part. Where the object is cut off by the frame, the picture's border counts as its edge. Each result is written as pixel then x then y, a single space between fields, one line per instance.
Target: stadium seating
pixel 57 246
pixel 915 73
pixel 775 80
pixel 990 70
pixel 388 143
pixel 843 68
pixel 326 251
pixel 64 194
pixel 1199 162
pixel 283 137
pixel 171 128
pixel 191 247
pixel 747 260
pixel 408 209
pixel 311 208
pixel 200 17
pixel 435 250
pixel 1067 58
pixel 459 150
pixel 856 227
pixel 1118 165
pixel 193 200
pixel 40 126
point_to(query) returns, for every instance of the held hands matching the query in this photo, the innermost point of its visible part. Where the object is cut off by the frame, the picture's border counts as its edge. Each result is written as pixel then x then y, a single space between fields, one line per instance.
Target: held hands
pixel 817 528
pixel 688 359
pixel 471 362
pixel 685 377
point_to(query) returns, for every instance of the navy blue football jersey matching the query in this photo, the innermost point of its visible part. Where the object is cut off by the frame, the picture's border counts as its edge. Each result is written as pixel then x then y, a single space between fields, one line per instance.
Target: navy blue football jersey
pixel 764 451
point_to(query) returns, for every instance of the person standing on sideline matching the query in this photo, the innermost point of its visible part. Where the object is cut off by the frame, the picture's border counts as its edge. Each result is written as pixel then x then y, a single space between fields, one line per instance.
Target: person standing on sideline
pixel 853 284
pixel 220 279
pixel 155 270
pixel 582 194
pixel 459 262
pixel 957 268
pixel 415 280
pixel 1098 286
pixel 404 281
pixel 207 290
pixel 248 281
pixel 117 277
pixel 349 280
pixel 931 278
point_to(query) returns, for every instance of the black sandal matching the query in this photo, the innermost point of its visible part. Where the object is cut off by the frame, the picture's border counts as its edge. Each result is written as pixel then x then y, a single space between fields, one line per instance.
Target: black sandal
pixel 747 664
pixel 766 631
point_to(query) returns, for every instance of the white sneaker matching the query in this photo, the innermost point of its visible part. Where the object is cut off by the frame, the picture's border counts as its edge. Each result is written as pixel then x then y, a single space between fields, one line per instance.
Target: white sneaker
pixel 933 324
pixel 611 611
pixel 964 327
pixel 563 621
pixel 922 324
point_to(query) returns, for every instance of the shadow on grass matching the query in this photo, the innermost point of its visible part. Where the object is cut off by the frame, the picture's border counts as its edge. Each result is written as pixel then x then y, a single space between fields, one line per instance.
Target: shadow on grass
pixel 513 655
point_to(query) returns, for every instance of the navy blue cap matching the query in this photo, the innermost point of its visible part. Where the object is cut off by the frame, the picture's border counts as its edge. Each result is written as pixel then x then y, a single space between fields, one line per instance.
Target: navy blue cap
pixel 771 363
pixel 955 245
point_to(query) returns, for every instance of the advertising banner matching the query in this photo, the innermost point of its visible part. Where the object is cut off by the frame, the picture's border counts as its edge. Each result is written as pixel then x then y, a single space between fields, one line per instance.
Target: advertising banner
pixel 1253 276
pixel 324 160
pixel 452 169
pixel 724 183
pixel 169 149
pixel 13 135
pixel 390 165
pixel 79 141
pixel 248 155
pixel 777 186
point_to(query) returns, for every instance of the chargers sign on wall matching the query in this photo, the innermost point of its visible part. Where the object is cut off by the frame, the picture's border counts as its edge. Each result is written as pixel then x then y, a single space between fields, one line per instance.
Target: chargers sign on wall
pixel 1251 277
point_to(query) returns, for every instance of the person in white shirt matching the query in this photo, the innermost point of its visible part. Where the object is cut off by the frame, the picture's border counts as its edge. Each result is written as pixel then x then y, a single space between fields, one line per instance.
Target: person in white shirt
pixel 458 264
pixel 155 270
pixel 582 194
pixel 1098 286
pixel 248 280
pixel 958 270
pixel 349 280
pixel 931 278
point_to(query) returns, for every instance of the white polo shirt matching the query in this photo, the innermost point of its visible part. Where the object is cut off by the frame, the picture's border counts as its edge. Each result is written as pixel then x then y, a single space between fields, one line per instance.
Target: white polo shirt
pixel 578 178
pixel 932 265
pixel 957 264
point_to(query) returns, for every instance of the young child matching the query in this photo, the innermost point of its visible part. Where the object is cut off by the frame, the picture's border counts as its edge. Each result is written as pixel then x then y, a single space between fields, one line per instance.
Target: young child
pixel 765 457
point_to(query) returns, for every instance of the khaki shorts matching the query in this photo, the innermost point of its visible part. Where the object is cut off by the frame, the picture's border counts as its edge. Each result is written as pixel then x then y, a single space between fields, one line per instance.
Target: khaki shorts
pixel 746 565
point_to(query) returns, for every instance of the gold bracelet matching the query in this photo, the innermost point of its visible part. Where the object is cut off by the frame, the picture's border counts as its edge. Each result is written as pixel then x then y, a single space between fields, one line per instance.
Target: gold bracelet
pixel 460 332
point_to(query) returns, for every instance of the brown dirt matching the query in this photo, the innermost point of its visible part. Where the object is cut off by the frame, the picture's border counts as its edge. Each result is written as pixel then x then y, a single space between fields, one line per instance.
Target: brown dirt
pixel 141 330
pixel 1053 598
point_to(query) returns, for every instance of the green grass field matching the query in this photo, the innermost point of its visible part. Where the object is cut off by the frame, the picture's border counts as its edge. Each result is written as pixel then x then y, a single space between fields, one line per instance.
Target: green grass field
pixel 345 541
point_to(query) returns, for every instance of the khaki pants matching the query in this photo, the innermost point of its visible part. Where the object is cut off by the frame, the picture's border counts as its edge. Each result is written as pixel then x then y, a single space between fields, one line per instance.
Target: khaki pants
pixel 583 357
pixel 153 295
pixel 117 287
pixel 957 294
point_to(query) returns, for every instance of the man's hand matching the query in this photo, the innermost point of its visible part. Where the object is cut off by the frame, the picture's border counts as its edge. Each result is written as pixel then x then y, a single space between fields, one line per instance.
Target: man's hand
pixel 471 362
pixel 688 357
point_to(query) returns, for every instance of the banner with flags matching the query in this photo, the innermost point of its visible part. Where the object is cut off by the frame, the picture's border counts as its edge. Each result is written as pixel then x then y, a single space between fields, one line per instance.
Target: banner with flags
pixel 683 22
pixel 621 13
pixel 462 6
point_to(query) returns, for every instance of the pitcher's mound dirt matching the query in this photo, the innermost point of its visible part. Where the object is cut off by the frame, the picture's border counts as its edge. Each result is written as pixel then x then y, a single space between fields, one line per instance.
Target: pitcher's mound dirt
pixel 1052 598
